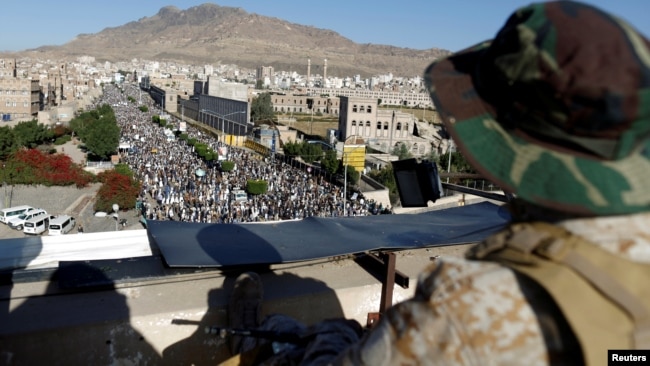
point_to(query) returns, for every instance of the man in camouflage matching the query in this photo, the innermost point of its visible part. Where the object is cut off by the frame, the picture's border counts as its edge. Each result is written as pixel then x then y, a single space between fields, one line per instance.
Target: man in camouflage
pixel 555 109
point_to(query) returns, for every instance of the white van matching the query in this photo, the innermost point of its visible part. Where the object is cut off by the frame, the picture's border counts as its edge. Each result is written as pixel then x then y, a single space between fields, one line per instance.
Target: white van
pixel 37 224
pixel 17 222
pixel 8 213
pixel 61 225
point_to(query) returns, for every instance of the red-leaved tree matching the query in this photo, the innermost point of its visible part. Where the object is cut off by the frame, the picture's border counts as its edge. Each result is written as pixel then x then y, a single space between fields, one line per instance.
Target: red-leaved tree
pixel 116 188
pixel 32 166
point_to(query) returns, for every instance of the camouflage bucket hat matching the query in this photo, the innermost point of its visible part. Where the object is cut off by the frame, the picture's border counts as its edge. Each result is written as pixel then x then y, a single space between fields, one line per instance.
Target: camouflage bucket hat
pixel 555 109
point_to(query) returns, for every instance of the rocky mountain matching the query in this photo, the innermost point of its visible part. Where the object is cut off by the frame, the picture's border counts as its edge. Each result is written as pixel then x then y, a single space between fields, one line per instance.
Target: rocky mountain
pixel 213 34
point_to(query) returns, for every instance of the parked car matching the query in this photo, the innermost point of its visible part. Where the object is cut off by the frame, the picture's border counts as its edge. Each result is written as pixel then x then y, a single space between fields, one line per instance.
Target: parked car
pixel 18 222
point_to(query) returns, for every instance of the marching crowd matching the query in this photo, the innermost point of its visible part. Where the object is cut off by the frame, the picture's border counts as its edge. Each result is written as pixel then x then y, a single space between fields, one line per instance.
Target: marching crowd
pixel 177 184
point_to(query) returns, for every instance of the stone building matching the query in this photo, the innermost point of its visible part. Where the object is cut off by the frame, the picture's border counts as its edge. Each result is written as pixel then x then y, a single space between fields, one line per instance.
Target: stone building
pixel 303 103
pixel 381 129
pixel 19 97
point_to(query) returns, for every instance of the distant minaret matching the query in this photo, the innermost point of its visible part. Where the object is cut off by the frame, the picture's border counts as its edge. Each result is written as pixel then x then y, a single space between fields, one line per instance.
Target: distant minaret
pixel 308 70
pixel 325 72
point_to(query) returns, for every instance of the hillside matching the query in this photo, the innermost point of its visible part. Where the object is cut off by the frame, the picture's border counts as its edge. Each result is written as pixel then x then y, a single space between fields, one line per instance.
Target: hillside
pixel 213 34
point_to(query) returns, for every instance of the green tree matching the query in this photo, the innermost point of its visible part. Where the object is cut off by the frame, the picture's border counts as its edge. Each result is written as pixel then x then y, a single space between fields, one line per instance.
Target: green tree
pixel 259 84
pixel 262 107
pixel 31 134
pixel 102 138
pixel 310 152
pixel 291 148
pixel 8 142
pixel 329 162
pixel 402 151
pixel 458 163
pixel 352 175
pixel 386 177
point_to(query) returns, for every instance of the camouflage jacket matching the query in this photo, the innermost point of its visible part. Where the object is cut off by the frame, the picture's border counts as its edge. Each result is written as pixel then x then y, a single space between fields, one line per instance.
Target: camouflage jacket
pixel 480 313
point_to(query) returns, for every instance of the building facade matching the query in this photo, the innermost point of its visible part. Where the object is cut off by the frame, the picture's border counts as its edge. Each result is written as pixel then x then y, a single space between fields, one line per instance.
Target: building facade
pixel 381 129
pixel 301 103
pixel 412 100
pixel 19 98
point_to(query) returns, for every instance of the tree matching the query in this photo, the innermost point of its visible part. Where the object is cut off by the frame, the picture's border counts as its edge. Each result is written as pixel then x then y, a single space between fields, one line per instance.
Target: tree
pixel 262 107
pixel 102 138
pixel 458 163
pixel 329 162
pixel 8 143
pixel 259 84
pixel 386 177
pixel 116 188
pixel 31 134
pixel 291 148
pixel 310 152
pixel 402 151
pixel 352 174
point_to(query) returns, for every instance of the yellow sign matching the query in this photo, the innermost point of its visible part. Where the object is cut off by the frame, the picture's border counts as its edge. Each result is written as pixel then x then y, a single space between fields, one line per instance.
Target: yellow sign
pixel 354 156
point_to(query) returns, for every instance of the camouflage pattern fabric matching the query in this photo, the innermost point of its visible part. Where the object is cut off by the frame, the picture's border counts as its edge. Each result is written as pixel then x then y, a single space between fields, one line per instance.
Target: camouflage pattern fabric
pixel 556 108
pixel 478 313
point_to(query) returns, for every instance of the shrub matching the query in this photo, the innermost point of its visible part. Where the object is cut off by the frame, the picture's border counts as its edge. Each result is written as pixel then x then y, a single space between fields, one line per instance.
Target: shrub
pixel 62 140
pixel 36 167
pixel 256 186
pixel 227 166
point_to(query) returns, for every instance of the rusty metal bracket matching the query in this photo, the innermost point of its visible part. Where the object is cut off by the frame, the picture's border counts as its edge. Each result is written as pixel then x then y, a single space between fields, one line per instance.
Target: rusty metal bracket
pixel 382 267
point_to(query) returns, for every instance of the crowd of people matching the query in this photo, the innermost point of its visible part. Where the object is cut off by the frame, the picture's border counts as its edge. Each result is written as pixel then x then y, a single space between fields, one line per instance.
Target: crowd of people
pixel 177 184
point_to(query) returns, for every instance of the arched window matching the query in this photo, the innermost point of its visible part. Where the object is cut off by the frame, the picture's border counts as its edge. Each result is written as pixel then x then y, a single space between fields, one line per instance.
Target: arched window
pixel 354 108
pixel 367 128
pixel 362 109
pixel 354 123
pixel 369 110
pixel 399 126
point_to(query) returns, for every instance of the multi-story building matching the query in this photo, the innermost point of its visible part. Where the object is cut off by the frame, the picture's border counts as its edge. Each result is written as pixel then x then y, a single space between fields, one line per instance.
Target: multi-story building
pixel 301 103
pixel 19 97
pixel 381 129
pixel 407 99
pixel 265 73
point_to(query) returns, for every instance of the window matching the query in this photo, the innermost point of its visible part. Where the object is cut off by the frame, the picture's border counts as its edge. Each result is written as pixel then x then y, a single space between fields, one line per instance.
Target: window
pixel 378 125
pixel 354 108
pixel 369 110
pixel 362 109
pixel 399 126
pixel 354 123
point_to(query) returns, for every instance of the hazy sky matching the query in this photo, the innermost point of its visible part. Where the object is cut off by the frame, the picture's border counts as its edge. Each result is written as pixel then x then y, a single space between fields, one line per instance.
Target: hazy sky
pixel 420 24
